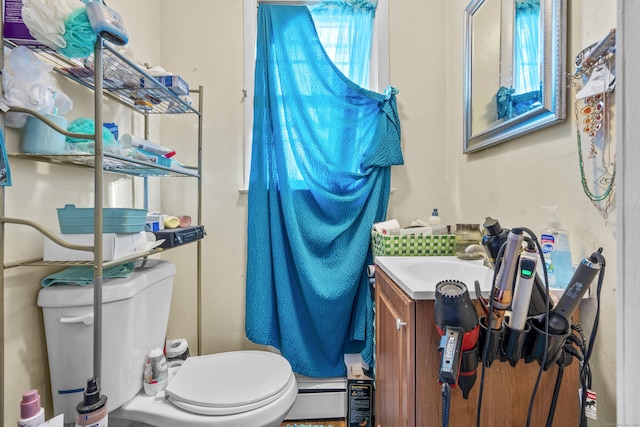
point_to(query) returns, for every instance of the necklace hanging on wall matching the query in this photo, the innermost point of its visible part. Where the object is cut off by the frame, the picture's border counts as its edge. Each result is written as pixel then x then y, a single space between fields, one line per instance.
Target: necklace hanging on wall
pixel 592 110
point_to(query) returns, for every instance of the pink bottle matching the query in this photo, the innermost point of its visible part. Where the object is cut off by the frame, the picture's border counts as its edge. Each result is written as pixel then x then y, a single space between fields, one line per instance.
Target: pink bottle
pixel 31 412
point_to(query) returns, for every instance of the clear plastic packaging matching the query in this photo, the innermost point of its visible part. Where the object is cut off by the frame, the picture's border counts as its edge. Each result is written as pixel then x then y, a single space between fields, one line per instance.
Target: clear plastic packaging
pixel 27 82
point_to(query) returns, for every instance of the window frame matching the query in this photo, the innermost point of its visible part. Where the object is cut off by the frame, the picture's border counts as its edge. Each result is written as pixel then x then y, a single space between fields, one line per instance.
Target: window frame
pixel 379 66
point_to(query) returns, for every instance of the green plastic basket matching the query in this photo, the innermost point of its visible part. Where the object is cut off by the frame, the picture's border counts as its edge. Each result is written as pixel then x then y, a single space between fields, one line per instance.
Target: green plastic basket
pixel 412 245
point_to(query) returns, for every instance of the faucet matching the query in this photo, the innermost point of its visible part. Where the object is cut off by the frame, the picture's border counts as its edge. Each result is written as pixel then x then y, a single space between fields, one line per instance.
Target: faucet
pixel 476 251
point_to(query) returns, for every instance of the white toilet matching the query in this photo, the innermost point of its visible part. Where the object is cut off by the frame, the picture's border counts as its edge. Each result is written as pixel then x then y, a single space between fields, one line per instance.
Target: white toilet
pixel 233 389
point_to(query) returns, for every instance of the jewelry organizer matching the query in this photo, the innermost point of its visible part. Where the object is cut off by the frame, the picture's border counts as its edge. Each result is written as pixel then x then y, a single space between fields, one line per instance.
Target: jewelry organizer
pixel 594 82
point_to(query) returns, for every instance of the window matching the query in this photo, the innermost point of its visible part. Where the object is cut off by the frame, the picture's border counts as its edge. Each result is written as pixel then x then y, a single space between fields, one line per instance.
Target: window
pixel 526 76
pixel 378 74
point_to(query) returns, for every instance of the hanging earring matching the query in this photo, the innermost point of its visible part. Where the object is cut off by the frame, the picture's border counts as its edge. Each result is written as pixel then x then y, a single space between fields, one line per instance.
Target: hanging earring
pixel 592 113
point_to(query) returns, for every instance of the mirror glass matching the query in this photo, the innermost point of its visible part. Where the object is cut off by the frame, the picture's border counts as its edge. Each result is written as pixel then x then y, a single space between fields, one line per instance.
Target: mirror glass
pixel 514 69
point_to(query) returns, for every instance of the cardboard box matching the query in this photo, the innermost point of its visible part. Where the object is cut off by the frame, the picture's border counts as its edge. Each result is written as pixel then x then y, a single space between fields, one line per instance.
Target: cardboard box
pixel 14 28
pixel 360 395
pixel 113 246
pixel 172 82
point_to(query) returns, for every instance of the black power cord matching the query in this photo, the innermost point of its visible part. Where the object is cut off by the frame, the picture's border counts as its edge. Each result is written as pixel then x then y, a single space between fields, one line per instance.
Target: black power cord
pixel 446 402
pixel 488 331
pixel 585 372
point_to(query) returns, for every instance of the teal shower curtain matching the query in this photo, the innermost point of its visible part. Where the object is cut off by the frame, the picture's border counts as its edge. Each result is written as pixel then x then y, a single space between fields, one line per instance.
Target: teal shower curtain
pixel 320 177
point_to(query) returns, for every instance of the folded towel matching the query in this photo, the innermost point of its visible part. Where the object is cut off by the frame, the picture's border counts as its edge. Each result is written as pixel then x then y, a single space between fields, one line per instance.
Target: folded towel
pixel 82 275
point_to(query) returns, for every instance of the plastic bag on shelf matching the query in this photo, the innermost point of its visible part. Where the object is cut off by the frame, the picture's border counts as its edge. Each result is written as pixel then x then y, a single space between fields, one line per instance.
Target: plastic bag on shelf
pixel 27 83
pixel 46 20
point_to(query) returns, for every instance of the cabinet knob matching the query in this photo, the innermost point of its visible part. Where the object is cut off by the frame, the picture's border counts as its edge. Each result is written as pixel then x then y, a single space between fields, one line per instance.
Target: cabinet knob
pixel 400 323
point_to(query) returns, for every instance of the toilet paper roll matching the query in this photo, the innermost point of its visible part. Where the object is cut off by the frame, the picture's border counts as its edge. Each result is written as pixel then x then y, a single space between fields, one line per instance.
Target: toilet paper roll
pixel 173 367
pixel 371 270
pixel 385 227
pixel 171 222
pixel 177 349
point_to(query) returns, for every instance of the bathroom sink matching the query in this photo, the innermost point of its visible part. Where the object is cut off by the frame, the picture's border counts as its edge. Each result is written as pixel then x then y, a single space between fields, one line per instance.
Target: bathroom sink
pixel 418 275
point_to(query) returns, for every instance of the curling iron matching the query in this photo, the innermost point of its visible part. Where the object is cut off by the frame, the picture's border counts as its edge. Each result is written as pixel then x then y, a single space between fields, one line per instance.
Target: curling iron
pixel 495 236
pixel 503 289
pixel 525 278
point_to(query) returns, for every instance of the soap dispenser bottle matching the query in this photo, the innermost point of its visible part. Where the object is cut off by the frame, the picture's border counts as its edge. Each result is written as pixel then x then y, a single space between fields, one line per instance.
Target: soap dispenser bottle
pixel 548 238
pixel 561 263
pixel 434 219
pixel 561 259
pixel 436 223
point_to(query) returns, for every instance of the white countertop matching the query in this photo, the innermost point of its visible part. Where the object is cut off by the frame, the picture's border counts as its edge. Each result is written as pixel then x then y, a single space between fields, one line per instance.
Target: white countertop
pixel 417 276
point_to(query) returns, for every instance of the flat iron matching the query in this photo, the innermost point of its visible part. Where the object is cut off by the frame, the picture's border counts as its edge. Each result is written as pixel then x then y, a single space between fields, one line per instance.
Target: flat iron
pixel 107 23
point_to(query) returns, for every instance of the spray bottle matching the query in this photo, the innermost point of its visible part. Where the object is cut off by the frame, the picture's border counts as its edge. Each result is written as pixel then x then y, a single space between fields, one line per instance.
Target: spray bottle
pixel 31 412
pixel 92 411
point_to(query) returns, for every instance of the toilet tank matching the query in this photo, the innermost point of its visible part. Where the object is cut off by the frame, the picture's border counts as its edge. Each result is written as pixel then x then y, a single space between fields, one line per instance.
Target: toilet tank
pixel 135 312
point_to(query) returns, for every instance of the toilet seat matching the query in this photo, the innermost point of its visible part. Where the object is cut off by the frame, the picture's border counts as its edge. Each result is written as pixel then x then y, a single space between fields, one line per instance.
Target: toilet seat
pixel 230 383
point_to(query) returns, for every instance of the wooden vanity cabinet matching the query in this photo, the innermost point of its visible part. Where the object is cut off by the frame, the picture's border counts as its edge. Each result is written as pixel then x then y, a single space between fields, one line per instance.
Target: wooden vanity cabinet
pixel 407 362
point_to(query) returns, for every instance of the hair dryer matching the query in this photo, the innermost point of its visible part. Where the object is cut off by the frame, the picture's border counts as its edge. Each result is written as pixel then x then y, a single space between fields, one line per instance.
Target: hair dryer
pixel 560 317
pixel 558 322
pixel 457 322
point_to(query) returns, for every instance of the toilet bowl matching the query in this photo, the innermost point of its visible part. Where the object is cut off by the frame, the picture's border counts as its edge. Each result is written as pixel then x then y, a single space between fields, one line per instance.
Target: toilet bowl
pixel 232 389
pixel 242 388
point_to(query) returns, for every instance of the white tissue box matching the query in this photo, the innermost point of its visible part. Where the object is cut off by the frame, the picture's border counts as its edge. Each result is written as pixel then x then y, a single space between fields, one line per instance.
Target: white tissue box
pixel 114 245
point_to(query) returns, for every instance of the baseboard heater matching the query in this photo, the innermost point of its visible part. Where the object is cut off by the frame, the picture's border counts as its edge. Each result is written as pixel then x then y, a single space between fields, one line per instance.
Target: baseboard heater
pixel 319 398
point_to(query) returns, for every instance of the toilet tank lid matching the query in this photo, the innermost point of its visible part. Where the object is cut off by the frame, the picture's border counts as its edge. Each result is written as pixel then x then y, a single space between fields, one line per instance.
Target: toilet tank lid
pixel 151 272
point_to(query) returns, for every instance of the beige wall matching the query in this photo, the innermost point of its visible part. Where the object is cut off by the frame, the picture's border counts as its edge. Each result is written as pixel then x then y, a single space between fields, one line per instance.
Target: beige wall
pixel 545 164
pixel 203 41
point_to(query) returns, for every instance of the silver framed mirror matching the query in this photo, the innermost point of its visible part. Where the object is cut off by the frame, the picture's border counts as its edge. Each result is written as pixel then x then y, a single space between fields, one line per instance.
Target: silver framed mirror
pixel 514 69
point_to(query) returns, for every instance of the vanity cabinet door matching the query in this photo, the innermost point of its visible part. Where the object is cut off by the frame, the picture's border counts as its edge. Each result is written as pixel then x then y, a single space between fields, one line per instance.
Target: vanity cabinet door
pixel 395 355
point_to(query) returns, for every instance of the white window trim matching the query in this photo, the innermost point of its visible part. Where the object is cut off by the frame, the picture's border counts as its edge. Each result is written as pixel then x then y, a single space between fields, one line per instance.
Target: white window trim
pixel 379 63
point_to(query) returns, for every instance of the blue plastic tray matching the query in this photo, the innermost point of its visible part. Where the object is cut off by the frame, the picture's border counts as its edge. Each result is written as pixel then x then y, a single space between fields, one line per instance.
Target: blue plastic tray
pixel 74 220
